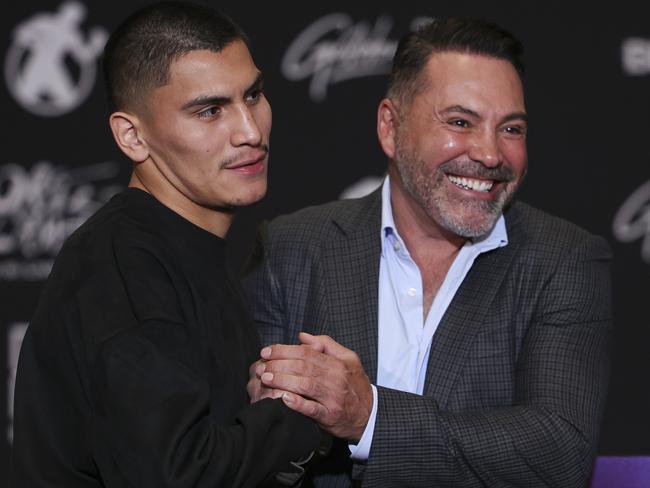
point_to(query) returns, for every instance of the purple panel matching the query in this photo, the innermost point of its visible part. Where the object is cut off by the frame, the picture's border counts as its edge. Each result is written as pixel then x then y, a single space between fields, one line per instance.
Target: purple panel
pixel 621 472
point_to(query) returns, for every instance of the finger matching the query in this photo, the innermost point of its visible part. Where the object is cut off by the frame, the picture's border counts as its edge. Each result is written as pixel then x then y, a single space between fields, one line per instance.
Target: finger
pixel 304 406
pixel 301 385
pixel 256 369
pixel 271 393
pixel 254 389
pixel 297 367
pixel 301 352
pixel 326 344
pixel 310 340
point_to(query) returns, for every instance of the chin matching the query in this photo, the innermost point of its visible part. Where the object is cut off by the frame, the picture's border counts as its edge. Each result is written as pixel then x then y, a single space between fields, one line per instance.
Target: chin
pixel 249 198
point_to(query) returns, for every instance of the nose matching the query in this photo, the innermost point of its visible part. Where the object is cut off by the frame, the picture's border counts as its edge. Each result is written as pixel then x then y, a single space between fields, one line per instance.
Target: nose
pixel 485 149
pixel 246 131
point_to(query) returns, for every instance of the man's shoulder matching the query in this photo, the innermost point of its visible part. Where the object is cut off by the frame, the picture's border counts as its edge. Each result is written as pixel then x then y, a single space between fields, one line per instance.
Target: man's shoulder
pixel 114 226
pixel 317 221
pixel 531 227
pixel 109 220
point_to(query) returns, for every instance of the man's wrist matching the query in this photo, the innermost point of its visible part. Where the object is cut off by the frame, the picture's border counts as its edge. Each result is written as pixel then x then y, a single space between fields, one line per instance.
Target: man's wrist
pixel 361 450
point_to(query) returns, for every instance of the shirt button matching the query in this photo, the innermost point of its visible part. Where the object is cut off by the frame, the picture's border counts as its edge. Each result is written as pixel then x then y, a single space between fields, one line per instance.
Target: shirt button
pixel 396 246
pixel 412 292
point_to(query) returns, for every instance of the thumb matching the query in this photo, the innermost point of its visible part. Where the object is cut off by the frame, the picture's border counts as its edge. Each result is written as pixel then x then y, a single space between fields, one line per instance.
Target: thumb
pixel 324 344
pixel 311 341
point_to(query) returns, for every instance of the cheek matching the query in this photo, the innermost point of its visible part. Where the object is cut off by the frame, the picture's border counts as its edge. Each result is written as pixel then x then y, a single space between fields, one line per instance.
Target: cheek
pixel 516 154
pixel 442 147
pixel 263 117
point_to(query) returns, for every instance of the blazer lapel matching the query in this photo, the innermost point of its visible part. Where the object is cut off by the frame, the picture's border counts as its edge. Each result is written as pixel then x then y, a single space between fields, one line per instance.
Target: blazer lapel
pixel 351 275
pixel 457 330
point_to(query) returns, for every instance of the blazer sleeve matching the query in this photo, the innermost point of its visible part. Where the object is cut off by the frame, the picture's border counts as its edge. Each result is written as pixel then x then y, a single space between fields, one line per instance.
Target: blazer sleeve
pixel 549 435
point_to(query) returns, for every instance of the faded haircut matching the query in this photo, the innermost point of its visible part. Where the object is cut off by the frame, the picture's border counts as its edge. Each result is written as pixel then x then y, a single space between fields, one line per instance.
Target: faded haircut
pixel 140 51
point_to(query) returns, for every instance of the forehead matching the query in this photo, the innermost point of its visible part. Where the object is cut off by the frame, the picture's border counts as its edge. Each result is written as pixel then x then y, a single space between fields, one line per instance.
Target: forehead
pixel 203 72
pixel 461 78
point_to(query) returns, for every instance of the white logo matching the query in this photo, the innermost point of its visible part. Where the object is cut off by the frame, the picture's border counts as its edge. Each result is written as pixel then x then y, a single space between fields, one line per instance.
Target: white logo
pixel 15 334
pixel 636 56
pixel 362 187
pixel 41 207
pixel 335 49
pixel 632 221
pixel 50 67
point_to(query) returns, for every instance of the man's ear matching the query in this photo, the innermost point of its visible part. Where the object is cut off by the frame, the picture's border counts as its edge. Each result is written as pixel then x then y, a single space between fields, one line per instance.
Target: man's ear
pixel 128 136
pixel 387 122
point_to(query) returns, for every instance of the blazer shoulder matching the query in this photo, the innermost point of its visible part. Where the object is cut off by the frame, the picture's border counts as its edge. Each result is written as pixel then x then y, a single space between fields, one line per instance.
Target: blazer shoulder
pixel 533 228
pixel 327 220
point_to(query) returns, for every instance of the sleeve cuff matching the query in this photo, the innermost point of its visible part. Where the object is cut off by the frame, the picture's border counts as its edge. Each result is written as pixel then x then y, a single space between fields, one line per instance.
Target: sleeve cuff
pixel 361 450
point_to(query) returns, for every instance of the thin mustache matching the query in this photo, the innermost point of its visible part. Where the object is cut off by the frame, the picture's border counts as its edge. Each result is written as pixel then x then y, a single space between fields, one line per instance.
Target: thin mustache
pixel 238 159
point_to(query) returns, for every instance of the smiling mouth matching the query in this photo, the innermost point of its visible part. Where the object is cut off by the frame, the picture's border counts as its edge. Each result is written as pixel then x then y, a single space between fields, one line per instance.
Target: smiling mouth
pixel 481 186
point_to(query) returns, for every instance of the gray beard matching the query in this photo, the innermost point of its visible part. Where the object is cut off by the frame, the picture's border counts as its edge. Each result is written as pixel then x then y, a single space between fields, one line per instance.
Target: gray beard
pixel 462 217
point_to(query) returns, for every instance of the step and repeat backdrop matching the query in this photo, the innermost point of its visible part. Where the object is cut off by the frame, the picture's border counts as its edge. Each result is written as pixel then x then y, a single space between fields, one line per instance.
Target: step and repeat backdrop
pixel 325 66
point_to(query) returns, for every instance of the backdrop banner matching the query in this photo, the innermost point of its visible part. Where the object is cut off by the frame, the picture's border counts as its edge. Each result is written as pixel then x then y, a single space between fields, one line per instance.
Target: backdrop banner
pixel 325 67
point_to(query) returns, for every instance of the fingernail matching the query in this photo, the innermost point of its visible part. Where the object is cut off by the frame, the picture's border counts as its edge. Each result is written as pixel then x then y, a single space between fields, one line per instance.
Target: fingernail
pixel 266 353
pixel 267 376
pixel 288 397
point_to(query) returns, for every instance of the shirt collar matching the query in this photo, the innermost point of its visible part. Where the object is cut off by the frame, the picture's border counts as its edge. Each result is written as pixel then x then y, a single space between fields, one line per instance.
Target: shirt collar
pixel 497 237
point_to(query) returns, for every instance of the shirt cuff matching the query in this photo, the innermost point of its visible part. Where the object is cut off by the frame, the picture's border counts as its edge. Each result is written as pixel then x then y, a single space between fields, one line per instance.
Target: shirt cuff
pixel 361 450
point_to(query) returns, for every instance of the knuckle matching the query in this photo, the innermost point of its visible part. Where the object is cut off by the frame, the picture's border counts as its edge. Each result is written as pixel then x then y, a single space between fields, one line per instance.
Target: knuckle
pixel 313 410
pixel 308 386
pixel 336 411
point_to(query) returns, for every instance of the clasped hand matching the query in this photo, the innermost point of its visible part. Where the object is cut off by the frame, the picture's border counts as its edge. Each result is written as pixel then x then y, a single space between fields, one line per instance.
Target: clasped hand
pixel 318 378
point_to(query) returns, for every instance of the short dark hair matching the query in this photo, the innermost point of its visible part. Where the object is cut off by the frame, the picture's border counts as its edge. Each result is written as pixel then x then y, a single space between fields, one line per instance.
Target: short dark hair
pixel 139 52
pixel 471 36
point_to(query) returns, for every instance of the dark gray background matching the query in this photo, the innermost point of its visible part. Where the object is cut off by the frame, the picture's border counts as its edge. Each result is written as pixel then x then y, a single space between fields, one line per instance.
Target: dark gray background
pixel 588 146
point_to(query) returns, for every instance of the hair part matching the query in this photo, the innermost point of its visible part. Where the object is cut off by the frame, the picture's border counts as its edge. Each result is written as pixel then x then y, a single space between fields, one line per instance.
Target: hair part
pixel 468 36
pixel 139 53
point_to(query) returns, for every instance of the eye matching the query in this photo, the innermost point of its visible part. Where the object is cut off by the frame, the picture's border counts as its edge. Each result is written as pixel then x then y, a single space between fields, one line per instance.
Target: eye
pixel 515 130
pixel 209 112
pixel 255 95
pixel 460 123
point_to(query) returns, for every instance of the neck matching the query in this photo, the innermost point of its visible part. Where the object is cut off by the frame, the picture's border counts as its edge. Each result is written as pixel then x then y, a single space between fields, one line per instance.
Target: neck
pixel 215 221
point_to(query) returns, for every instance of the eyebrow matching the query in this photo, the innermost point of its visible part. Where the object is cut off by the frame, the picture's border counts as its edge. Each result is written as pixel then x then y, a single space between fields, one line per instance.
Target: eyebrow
pixel 203 100
pixel 464 110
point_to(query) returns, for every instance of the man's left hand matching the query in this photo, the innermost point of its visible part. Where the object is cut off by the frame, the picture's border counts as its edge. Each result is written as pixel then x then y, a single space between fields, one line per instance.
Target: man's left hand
pixel 324 381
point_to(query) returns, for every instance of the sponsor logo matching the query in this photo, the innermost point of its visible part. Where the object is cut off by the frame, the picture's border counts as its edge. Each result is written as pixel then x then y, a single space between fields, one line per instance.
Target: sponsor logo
pixel 636 56
pixel 362 187
pixel 15 334
pixel 51 65
pixel 632 221
pixel 334 48
pixel 40 207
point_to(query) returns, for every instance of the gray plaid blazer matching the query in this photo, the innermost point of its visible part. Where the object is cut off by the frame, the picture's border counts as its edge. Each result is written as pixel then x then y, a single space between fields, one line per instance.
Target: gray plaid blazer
pixel 518 370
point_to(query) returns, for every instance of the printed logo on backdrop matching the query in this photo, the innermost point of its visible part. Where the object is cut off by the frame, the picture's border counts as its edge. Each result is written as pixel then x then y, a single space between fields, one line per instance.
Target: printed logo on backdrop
pixel 41 206
pixel 334 48
pixel 632 221
pixel 636 56
pixel 361 188
pixel 51 64
pixel 15 334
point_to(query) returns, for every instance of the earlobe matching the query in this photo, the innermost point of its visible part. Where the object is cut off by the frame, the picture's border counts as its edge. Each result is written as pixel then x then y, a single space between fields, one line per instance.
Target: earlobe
pixel 128 137
pixel 387 120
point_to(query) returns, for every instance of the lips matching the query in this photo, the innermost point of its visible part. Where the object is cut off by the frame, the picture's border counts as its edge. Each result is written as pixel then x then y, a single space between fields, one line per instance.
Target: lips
pixel 250 165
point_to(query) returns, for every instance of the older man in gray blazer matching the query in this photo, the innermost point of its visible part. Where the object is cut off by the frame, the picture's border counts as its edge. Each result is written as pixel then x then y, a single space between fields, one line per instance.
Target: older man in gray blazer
pixel 456 337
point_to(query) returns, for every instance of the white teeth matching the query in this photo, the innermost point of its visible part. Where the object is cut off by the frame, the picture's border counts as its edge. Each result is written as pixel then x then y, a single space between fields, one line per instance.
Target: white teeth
pixel 471 184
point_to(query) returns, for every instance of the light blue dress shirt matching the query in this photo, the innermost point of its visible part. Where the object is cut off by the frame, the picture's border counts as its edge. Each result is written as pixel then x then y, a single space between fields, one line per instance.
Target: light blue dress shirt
pixel 404 337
